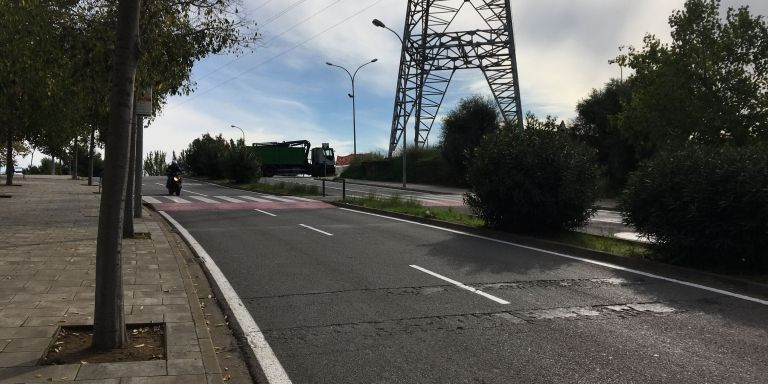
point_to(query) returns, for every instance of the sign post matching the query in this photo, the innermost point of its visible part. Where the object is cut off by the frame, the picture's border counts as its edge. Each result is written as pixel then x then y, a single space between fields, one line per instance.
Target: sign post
pixel 143 108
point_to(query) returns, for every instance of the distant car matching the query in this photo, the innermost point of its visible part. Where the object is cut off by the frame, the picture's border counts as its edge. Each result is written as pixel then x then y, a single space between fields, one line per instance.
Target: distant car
pixel 16 171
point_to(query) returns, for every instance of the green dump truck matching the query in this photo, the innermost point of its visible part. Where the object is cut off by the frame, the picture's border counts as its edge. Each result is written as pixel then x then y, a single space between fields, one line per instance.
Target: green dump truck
pixel 293 158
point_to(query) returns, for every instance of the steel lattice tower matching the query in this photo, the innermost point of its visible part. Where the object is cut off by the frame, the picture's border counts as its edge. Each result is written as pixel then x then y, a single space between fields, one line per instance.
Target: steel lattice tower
pixel 431 56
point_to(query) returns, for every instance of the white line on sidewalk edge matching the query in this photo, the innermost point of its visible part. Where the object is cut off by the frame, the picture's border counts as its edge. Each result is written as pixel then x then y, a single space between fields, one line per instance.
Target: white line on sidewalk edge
pixel 316 230
pixel 460 285
pixel 600 263
pixel 265 212
pixel 273 370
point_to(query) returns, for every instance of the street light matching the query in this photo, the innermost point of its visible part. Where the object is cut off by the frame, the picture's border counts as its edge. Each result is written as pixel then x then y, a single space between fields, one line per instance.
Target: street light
pixel 241 130
pixel 380 24
pixel 352 96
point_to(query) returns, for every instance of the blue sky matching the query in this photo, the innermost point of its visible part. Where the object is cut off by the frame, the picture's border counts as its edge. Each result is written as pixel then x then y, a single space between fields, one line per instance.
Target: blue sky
pixel 284 91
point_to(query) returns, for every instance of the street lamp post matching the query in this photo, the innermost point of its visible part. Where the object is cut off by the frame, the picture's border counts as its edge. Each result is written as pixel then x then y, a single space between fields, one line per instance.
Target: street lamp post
pixel 380 24
pixel 352 96
pixel 241 130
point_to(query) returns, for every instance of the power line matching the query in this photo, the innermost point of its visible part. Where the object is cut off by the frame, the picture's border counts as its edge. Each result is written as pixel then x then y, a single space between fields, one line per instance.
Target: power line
pixel 283 12
pixel 262 5
pixel 279 54
pixel 273 38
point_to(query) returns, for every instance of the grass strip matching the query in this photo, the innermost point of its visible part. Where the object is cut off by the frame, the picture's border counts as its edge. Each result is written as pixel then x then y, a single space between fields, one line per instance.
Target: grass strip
pixel 283 188
pixel 413 207
pixel 582 240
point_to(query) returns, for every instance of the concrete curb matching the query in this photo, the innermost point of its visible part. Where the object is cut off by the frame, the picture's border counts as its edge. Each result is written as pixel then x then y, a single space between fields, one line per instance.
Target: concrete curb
pixel 728 283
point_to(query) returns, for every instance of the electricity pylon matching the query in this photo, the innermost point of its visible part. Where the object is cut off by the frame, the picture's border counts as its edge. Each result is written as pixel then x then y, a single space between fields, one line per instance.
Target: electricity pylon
pixel 431 55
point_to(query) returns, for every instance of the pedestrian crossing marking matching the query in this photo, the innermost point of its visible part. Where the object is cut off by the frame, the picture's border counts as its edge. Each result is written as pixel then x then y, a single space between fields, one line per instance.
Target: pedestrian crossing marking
pixel 229 199
pixel 204 199
pixel 151 200
pixel 301 198
pixel 256 199
pixel 199 203
pixel 281 199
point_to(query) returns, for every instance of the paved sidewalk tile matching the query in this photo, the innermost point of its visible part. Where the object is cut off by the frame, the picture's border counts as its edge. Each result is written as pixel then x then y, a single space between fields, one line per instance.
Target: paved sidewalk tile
pixel 47 280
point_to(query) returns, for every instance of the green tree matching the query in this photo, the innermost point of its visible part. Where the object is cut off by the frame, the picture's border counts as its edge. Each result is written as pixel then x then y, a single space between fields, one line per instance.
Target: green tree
pixel 30 68
pixel 597 126
pixel 464 127
pixel 709 85
pixel 154 164
pixel 201 158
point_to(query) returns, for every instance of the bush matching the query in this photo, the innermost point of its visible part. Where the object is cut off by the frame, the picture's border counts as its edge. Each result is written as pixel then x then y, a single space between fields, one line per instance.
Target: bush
pixel 464 127
pixel 532 181
pixel 240 165
pixel 425 166
pixel 705 206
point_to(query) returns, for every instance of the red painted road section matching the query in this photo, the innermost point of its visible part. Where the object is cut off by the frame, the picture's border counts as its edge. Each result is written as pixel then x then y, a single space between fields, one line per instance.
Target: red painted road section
pixel 239 206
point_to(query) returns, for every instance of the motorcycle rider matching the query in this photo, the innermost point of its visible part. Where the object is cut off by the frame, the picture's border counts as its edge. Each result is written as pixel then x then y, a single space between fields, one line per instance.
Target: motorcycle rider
pixel 171 171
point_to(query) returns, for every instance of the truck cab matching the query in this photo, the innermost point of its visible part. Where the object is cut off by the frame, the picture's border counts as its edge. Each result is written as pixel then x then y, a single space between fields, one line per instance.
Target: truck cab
pixel 323 161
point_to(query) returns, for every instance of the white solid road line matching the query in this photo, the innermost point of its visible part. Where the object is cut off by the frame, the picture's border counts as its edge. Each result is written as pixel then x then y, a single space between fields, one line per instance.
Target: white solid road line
pixel 204 199
pixel 600 263
pixel 265 212
pixel 316 230
pixel 273 370
pixel 460 285
pixel 151 200
pixel 230 199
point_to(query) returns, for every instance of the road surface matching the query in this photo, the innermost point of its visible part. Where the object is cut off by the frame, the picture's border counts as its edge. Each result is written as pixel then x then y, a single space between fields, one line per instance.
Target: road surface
pixel 347 297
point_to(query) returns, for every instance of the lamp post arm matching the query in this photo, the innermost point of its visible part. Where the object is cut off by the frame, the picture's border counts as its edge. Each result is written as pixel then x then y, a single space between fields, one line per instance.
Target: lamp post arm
pixel 345 70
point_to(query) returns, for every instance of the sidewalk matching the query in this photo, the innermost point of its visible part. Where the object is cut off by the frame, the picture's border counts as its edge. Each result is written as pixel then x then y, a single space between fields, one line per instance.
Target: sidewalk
pixel 47 264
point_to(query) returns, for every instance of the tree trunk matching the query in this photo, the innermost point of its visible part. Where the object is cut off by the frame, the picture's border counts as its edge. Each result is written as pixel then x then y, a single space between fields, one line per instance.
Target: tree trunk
pixel 128 213
pixel 138 167
pixel 74 161
pixel 90 155
pixel 108 320
pixel 9 157
pixel 53 165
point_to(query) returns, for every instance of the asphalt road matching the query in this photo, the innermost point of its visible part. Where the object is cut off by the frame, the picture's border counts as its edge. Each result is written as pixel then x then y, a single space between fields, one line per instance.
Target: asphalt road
pixel 347 297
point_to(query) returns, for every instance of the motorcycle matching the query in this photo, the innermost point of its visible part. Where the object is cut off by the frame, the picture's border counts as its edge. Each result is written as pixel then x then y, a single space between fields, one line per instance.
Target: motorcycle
pixel 174 185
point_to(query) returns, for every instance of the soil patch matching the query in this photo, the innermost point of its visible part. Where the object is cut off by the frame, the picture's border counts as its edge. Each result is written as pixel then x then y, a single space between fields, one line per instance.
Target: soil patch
pixel 73 345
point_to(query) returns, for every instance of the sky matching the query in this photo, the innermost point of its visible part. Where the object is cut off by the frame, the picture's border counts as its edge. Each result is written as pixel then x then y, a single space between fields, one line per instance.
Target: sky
pixel 282 90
